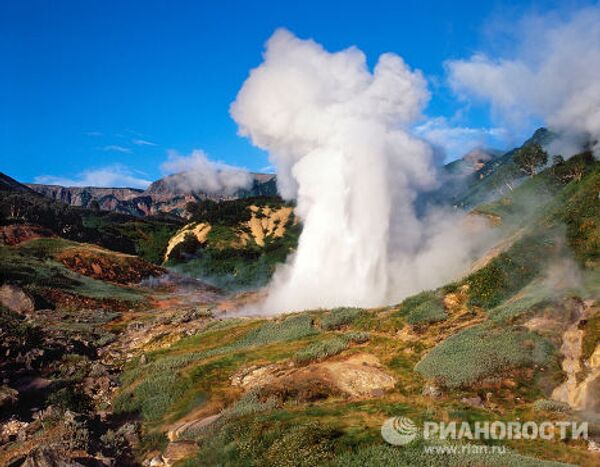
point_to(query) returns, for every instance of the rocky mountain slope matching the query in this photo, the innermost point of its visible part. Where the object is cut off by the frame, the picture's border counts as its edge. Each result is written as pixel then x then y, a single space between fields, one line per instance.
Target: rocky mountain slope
pixel 163 196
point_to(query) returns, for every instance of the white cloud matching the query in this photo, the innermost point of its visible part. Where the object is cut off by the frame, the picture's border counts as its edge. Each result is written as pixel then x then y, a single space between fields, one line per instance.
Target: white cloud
pixel 116 175
pixel 143 142
pixel 116 148
pixel 550 74
pixel 458 140
pixel 195 172
pixel 92 133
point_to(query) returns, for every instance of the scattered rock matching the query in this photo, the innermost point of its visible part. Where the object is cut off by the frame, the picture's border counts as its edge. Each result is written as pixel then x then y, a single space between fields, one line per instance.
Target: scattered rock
pixel 178 450
pixel 45 456
pixel 12 430
pixel 15 299
pixel 433 391
pixel 472 401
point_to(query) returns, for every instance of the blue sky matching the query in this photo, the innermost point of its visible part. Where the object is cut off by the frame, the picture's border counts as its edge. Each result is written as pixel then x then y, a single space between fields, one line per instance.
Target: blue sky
pixel 114 85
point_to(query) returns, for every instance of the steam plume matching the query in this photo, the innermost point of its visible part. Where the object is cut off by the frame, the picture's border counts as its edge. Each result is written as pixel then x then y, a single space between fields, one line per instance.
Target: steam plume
pixel 197 173
pixel 338 136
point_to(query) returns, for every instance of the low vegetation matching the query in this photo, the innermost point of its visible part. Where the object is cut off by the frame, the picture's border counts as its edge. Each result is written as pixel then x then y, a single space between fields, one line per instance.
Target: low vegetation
pixel 482 351
pixel 339 317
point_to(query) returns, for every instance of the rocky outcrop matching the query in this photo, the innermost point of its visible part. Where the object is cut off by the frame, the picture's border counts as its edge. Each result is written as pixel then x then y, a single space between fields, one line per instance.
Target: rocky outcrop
pixel 359 376
pixel 15 299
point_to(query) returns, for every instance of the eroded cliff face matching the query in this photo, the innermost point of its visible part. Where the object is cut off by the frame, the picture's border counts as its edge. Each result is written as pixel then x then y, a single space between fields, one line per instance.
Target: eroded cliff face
pixel 581 389
pixel 264 224
pixel 163 196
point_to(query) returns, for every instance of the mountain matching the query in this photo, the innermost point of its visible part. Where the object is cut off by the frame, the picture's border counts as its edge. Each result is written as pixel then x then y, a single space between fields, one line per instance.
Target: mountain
pixel 163 196
pixel 10 184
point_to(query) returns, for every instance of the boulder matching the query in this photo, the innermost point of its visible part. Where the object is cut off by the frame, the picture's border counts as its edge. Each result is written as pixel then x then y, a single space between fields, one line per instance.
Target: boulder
pixel 179 450
pixel 15 299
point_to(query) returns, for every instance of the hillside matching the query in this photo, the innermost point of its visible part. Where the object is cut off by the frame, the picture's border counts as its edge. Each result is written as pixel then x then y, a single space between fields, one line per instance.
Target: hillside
pixel 163 196
pixel 235 244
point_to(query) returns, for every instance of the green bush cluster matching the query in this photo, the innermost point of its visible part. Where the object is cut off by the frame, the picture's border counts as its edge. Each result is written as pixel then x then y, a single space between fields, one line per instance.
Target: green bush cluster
pixel 481 351
pixel 546 405
pixel 329 347
pixel 321 350
pixel 427 312
pixel 339 317
pixel 422 307
pixel 416 455
pixel 263 441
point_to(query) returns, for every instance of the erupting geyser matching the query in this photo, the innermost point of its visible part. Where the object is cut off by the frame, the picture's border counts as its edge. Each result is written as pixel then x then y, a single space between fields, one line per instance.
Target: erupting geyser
pixel 339 137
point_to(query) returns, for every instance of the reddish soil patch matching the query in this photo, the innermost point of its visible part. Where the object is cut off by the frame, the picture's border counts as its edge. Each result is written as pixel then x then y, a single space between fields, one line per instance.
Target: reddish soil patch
pixel 108 266
pixel 64 299
pixel 17 233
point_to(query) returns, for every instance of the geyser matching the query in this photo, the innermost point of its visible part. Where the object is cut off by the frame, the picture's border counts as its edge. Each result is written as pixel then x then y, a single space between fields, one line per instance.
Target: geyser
pixel 338 135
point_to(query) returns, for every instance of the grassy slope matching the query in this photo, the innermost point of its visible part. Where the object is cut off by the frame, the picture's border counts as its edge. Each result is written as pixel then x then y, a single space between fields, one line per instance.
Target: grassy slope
pixel 32 265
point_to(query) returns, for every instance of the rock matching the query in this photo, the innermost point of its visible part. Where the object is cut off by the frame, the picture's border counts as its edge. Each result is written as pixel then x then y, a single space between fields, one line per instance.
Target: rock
pixel 8 397
pixel 433 391
pixel 194 426
pixel 45 456
pixel 156 461
pixel 178 450
pixel 472 401
pixel 11 430
pixel 15 299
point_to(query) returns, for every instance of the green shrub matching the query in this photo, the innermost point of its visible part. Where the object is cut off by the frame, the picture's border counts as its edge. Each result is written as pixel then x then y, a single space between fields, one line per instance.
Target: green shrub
pixel 321 350
pixel 482 351
pixel 339 317
pixel 546 405
pixel 359 337
pixel 426 313
pixel 416 455
pixel 70 398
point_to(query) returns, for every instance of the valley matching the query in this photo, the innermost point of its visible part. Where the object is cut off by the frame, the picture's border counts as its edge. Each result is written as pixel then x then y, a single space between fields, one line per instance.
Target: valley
pixel 127 340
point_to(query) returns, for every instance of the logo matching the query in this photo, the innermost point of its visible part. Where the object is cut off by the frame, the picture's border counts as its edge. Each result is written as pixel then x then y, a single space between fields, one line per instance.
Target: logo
pixel 399 430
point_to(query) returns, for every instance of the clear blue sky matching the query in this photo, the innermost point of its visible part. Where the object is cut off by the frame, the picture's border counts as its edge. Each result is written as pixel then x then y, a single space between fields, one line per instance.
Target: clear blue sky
pixel 82 82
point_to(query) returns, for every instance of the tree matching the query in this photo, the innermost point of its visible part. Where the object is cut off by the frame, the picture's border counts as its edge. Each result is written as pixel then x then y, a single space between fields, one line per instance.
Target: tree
pixel 529 158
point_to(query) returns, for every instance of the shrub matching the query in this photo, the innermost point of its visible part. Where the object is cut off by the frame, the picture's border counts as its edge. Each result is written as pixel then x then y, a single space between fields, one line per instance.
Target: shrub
pixel 304 445
pixel 482 351
pixel 358 337
pixel 339 317
pixel 321 350
pixel 546 405
pixel 423 307
pixel 416 454
pixel 426 313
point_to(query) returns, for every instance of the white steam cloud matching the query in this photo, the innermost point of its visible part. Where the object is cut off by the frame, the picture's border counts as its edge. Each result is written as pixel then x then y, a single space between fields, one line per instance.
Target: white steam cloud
pixel 337 134
pixel 196 172
pixel 552 75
